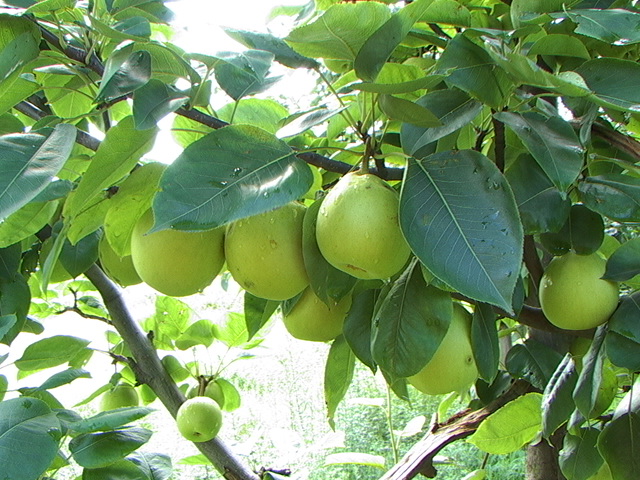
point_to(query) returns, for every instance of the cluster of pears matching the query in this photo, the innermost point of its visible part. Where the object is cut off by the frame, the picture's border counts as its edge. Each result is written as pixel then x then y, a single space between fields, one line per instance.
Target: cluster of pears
pixel 199 418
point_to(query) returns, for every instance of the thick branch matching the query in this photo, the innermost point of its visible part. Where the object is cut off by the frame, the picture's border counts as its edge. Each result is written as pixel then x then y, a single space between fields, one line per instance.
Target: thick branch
pixel 156 376
pixel 419 460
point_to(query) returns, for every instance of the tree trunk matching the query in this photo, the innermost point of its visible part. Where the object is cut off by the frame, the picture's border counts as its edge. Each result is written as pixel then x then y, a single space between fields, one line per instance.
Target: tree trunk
pixel 542 462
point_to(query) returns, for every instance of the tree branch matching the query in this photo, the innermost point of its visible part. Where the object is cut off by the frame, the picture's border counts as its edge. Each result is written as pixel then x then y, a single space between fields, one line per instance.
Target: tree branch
pixel 419 459
pixel 157 377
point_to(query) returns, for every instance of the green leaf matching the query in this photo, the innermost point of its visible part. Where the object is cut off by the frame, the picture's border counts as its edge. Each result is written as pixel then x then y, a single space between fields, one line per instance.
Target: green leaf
pixel 15 299
pixel 355 458
pixel 410 324
pixel 510 427
pixel 4 385
pixel 231 173
pixel 168 62
pixel 619 443
pixel 328 283
pixel 198 333
pixel 338 373
pixel 614 26
pixel 134 197
pixel 77 258
pixel 19 44
pixel 357 327
pixel 232 330
pixel 27 221
pixel 257 312
pixel 50 352
pixel 377 48
pixel 48 6
pixel 470 68
pixel 457 205
pixel 613 195
pixel 624 263
pixel 585 393
pixel 134 28
pixel 449 12
pixel 171 317
pixel 557 399
pixel 174 367
pixel 155 466
pixel 533 361
pixel 31 423
pixel 406 111
pixel 303 121
pixel 14 90
pixel 29 163
pixel 282 52
pixel 232 398
pixel 561 45
pixel 154 101
pixel 124 72
pixel 111 419
pixel 552 142
pixel 453 108
pixel 118 153
pixel 623 336
pixel 614 82
pixel 96 450
pixel 579 458
pixel 64 378
pixel 484 341
pixel 583 232
pixel 263 113
pixel 244 74
pixel 120 470
pixel 542 207
pixel 340 32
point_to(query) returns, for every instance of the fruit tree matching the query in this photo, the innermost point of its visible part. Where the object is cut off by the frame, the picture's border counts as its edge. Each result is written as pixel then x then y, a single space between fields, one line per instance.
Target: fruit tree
pixel 459 202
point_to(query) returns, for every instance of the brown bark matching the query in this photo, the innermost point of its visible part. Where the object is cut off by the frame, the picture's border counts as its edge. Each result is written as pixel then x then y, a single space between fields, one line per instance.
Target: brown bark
pixel 419 460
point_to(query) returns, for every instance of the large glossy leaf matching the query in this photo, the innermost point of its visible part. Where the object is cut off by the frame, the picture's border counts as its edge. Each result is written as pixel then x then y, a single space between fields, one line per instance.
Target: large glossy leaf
pixel 95 450
pixel 623 337
pixel 110 420
pixel 27 425
pixel 619 444
pixel 397 108
pixel 282 52
pixel 624 263
pixel 410 324
pixel 15 299
pixel 263 113
pixel 460 218
pixel 533 361
pixel 328 283
pixel 134 197
pixel 470 68
pixel 77 258
pixel 25 222
pixel 124 72
pixel 340 32
pixel 120 470
pixel 231 173
pixel 585 393
pixel 64 378
pixel 357 327
pixel 614 82
pixel 338 373
pixel 50 352
pixel 155 466
pixel 243 74
pixel 557 399
pixel 614 26
pixel 583 232
pixel 510 427
pixel 154 101
pixel 29 163
pixel 377 49
pixel 484 341
pixel 454 109
pixel 134 28
pixel 257 312
pixel 552 142
pixel 579 458
pixel 613 195
pixel 117 155
pixel 542 207
pixel 19 44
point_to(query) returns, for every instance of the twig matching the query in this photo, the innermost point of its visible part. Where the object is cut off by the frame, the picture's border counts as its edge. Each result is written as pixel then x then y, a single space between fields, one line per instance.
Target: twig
pixel 419 460
pixel 157 377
